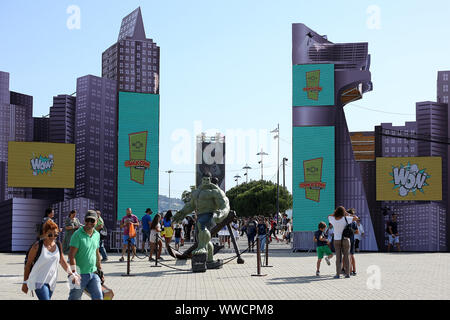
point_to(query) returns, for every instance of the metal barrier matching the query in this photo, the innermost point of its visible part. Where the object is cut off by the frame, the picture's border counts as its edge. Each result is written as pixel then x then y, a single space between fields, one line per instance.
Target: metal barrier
pixel 116 240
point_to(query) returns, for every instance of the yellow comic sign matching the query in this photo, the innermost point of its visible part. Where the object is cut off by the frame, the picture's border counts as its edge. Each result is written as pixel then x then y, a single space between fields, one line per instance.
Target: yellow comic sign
pixel 409 179
pixel 41 165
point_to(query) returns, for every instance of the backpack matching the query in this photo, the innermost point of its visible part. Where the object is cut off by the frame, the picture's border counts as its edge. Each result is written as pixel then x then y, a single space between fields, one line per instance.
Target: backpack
pixel 348 230
pixel 38 253
pixel 261 229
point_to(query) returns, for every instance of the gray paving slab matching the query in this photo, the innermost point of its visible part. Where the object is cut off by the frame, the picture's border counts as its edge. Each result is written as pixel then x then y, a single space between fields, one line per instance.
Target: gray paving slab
pixel 381 276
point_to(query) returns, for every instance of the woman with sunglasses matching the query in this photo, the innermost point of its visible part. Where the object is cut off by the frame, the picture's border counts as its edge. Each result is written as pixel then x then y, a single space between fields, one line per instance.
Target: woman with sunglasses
pixel 41 277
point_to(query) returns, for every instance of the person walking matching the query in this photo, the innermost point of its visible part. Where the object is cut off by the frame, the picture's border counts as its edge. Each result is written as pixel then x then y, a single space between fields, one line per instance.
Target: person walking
pixel 273 229
pixel 330 236
pixel 71 225
pixel 146 222
pixel 155 229
pixel 84 257
pixel 125 223
pixel 235 229
pixel 243 226
pixel 168 227
pixel 48 215
pixel 354 226
pixel 41 268
pixel 288 231
pixel 359 235
pixel 339 219
pixel 322 246
pixel 101 229
pixel 251 233
pixel 392 231
pixel 178 235
pixel 262 233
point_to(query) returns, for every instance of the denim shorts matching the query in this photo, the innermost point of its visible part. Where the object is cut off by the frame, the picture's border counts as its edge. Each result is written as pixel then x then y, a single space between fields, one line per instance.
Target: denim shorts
pixel 132 240
pixel 145 235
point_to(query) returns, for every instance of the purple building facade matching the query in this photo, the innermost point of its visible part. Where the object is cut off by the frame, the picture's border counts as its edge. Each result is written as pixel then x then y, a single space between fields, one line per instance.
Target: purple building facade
pixel 133 61
pixel 62 119
pixel 96 143
pixel 41 129
pixel 352 79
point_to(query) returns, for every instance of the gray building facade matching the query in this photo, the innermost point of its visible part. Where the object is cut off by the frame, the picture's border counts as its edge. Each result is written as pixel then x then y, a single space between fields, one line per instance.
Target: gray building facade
pixel 16 124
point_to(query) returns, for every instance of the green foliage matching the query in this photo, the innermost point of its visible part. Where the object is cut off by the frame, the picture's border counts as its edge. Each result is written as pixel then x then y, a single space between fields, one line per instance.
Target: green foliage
pixel 258 198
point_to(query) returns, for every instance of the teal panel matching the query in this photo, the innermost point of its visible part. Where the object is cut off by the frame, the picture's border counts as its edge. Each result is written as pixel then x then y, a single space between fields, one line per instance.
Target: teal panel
pixel 313 176
pixel 313 85
pixel 138 153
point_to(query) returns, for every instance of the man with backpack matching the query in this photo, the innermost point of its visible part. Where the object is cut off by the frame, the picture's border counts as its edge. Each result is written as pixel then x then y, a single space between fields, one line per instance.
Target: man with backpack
pixel 251 233
pixel 262 233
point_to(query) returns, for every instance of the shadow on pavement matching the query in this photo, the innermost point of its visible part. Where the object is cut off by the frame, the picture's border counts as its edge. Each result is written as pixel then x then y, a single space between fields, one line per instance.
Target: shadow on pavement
pixel 295 280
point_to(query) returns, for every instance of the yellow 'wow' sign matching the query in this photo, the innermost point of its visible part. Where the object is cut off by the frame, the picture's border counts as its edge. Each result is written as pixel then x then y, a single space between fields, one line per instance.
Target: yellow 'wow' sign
pixel 41 165
pixel 409 179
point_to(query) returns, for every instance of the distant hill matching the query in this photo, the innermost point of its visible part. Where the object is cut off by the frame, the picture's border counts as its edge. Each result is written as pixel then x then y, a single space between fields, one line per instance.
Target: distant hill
pixel 163 203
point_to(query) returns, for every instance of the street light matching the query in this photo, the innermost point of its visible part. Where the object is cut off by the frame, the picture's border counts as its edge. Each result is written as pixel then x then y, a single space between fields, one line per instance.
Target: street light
pixel 284 175
pixel 246 168
pixel 237 177
pixel 169 172
pixel 277 136
pixel 262 153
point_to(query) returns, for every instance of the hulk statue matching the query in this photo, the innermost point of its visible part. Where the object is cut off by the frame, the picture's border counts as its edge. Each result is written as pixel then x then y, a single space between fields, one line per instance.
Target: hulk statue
pixel 211 204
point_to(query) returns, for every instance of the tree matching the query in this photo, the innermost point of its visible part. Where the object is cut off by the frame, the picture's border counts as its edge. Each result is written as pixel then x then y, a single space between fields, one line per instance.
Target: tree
pixel 258 198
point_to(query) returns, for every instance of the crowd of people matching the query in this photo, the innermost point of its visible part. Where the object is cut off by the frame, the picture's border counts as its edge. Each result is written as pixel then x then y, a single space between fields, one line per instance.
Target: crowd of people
pixel 83 243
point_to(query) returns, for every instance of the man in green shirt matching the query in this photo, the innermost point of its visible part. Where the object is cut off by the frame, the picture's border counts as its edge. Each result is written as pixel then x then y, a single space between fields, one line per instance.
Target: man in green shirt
pixel 84 256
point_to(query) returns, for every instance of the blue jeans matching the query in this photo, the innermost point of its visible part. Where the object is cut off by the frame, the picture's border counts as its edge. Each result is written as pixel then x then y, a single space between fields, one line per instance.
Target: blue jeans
pixel 44 293
pixel 102 249
pixel 91 282
pixel 262 241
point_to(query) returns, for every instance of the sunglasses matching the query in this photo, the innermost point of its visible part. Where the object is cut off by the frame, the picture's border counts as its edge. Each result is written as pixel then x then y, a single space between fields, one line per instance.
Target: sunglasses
pixel 89 220
pixel 51 235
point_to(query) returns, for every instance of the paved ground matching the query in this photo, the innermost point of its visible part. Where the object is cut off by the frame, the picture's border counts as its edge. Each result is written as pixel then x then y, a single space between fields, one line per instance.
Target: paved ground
pixel 292 277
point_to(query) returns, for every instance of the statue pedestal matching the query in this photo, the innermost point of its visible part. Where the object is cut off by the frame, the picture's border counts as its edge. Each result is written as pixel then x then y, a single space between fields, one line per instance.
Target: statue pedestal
pixel 199 263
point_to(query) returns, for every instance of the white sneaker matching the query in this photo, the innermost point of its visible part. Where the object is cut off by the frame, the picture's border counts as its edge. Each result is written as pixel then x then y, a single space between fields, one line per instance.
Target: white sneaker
pixel 328 261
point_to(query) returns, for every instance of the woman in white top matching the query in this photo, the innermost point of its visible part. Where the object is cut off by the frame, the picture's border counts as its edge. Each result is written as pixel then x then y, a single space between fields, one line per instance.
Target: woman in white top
pixel 339 219
pixel 41 276
pixel 155 237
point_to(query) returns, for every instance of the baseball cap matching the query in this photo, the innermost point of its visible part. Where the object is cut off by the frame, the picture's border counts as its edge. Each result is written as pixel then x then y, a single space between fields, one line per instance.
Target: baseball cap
pixel 91 214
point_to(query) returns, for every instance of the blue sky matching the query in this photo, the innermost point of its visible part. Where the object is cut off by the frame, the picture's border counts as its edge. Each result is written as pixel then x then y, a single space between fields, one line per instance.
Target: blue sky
pixel 226 65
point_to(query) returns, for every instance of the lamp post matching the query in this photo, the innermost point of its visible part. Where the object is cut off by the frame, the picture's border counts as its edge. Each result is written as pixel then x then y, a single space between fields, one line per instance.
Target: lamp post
pixel 284 174
pixel 246 168
pixel 277 136
pixel 262 153
pixel 237 177
pixel 169 172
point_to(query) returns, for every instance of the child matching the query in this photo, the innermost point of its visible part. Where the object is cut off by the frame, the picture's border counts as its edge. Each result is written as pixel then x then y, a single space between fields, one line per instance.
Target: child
pixel 322 246
pixel 177 230
pixel 330 236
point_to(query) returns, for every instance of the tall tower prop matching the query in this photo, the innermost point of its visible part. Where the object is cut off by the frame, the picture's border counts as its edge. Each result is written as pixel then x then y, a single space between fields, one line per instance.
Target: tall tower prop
pixel 326 77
